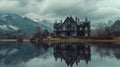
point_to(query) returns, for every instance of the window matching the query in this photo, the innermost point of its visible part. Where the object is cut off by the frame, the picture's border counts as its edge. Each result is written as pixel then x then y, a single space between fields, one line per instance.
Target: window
pixel 74 27
pixel 86 28
pixel 80 28
pixel 69 27
pixel 86 34
pixel 63 27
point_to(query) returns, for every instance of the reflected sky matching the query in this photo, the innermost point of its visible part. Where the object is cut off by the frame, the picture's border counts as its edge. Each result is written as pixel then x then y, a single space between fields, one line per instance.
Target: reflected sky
pixel 37 55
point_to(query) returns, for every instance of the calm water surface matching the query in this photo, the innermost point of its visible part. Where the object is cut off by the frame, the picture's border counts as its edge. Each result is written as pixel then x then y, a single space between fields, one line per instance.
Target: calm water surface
pixel 59 55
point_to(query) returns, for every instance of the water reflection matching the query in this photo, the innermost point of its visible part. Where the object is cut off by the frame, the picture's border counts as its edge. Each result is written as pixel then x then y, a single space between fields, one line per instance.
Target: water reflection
pixel 72 53
pixel 11 53
pixel 69 53
pixel 110 50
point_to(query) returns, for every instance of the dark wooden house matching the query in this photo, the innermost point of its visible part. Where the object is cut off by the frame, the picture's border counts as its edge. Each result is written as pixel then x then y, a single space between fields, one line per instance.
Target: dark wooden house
pixel 72 28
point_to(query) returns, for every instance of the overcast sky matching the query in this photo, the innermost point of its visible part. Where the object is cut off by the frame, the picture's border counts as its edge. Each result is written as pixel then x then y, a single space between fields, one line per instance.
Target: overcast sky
pixel 95 10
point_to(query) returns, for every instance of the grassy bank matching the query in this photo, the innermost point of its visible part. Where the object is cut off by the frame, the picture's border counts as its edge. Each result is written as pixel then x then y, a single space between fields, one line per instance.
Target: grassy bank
pixel 13 40
pixel 57 40
pixel 72 40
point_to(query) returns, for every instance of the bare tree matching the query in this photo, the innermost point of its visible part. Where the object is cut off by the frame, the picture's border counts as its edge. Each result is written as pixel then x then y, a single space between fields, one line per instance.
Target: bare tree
pixel 45 33
pixel 19 38
pixel 38 33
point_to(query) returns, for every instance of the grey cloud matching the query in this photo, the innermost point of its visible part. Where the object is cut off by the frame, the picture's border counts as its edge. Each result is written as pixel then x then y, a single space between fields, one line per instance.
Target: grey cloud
pixel 49 9
pixel 39 0
pixel 80 9
pixel 23 2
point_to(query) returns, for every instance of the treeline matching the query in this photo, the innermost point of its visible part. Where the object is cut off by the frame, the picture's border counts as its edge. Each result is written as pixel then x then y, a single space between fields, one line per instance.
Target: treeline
pixel 22 34
pixel 101 31
pixel 40 34
pixel 13 34
pixel 112 30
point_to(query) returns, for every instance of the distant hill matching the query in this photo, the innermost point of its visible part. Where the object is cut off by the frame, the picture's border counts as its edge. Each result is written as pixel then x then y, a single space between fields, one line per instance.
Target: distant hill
pixel 13 24
pixel 114 30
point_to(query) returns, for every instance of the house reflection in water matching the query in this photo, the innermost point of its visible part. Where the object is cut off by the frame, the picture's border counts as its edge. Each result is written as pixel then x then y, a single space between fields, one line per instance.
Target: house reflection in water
pixel 72 53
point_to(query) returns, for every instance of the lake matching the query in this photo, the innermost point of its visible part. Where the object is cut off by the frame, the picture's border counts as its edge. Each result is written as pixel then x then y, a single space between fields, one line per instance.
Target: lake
pixel 59 55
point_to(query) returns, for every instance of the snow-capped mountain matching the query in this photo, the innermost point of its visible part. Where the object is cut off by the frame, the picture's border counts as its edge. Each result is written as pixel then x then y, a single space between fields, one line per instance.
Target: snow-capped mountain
pixel 14 22
pixel 115 27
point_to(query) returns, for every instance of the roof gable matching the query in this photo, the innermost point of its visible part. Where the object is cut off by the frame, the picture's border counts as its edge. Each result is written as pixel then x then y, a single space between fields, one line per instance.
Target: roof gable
pixel 69 20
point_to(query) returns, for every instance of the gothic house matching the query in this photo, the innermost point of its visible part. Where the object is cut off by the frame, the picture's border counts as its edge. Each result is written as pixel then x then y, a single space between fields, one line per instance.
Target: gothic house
pixel 72 28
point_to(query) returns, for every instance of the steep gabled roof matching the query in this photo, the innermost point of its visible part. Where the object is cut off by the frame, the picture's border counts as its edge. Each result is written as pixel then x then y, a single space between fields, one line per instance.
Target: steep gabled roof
pixel 66 20
pixel 69 19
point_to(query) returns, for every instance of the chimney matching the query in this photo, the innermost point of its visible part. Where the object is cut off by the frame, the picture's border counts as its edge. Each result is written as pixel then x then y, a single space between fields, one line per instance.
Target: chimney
pixel 61 21
pixel 86 19
pixel 76 19
pixel 55 21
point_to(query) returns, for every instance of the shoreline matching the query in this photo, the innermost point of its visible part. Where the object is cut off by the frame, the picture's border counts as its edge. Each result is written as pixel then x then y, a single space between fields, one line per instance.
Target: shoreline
pixel 13 40
pixel 74 40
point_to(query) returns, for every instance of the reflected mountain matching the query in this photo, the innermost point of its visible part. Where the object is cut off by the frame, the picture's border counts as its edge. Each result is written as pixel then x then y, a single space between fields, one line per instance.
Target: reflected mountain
pixel 11 53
